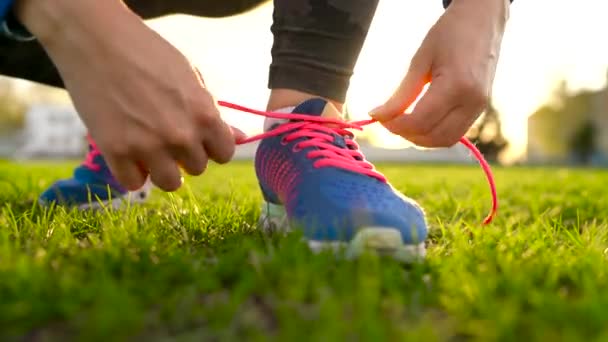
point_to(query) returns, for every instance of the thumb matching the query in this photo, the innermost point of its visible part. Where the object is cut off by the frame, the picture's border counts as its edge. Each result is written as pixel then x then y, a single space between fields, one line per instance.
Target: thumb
pixel 411 86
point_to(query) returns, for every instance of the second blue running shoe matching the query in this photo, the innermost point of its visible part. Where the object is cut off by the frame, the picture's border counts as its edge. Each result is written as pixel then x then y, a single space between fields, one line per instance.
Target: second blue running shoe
pixel 92 186
pixel 314 178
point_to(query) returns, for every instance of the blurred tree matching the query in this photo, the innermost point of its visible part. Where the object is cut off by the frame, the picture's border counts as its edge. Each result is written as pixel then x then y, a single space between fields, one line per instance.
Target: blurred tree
pixel 487 135
pixel 583 142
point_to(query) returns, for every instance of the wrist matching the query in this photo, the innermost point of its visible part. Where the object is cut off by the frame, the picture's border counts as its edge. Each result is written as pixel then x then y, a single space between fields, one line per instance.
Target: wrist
pixel 41 18
pixel 498 10
pixel 446 3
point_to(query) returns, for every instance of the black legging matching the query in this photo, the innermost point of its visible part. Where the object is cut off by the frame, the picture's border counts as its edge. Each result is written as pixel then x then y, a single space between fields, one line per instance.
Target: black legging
pixel 316 42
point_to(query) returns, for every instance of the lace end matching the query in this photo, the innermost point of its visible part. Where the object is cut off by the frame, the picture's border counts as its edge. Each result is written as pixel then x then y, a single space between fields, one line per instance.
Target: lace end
pixel 488 171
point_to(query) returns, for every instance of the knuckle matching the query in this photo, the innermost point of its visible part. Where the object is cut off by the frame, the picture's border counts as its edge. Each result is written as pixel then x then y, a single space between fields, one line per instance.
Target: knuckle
pixel 179 137
pixel 425 127
pixel 193 101
pixel 207 118
pixel 465 84
pixel 204 111
pixel 421 126
pixel 136 143
pixel 473 91
pixel 118 149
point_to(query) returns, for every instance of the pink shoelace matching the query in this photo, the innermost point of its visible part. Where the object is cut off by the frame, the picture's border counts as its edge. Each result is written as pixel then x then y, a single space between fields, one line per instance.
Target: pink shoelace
pixel 89 160
pixel 323 133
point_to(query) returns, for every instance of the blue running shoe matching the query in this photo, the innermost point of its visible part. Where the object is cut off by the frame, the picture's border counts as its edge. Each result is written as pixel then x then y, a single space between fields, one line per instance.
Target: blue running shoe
pixel 92 186
pixel 314 178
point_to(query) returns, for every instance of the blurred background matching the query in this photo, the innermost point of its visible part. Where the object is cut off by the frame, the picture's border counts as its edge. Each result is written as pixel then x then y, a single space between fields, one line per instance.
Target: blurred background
pixel 549 105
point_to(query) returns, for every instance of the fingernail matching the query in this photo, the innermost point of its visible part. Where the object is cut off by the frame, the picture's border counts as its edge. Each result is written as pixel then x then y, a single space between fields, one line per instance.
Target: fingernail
pixel 237 132
pixel 372 112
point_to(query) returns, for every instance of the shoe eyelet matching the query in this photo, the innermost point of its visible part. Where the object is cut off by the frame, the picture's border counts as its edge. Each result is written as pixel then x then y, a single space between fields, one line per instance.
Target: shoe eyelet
pixel 296 148
pixel 284 142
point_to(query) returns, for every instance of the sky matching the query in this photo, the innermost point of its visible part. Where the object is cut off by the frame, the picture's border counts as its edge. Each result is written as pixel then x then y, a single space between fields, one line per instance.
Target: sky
pixel 545 41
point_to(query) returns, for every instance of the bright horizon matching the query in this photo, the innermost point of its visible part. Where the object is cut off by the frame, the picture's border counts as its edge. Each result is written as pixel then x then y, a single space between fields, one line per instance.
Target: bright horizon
pixel 546 41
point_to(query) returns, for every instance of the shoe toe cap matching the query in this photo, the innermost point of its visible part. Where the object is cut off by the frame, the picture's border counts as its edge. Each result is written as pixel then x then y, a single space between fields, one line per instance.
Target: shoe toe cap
pixel 335 214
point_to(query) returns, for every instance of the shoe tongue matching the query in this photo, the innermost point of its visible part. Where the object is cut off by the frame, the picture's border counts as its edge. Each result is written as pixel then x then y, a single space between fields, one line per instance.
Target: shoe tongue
pixel 318 107
pixel 325 109
pixel 312 107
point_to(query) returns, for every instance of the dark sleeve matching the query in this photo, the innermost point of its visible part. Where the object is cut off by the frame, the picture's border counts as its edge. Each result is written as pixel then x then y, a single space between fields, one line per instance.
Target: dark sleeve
pixel 446 3
pixel 317 44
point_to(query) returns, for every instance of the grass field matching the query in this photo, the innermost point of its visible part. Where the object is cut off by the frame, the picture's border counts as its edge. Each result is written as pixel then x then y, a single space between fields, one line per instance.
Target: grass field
pixel 192 266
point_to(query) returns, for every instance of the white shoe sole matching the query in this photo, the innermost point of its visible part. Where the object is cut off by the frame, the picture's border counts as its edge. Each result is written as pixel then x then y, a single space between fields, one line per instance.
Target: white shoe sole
pixel 384 241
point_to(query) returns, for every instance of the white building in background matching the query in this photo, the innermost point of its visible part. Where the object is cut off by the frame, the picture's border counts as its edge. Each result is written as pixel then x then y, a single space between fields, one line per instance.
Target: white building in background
pixel 551 129
pixel 52 131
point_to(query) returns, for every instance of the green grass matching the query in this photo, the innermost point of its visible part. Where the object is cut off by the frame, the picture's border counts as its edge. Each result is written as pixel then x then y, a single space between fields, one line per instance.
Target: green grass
pixel 191 266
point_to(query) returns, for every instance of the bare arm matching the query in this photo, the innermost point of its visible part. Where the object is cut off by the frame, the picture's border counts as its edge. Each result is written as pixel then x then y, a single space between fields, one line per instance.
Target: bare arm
pixel 141 99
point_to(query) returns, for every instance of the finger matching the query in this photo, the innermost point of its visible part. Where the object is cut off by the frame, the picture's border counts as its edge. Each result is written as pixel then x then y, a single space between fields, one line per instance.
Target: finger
pixel 126 172
pixel 193 160
pixel 163 169
pixel 433 107
pixel 409 89
pixel 219 141
pixel 238 134
pixel 448 132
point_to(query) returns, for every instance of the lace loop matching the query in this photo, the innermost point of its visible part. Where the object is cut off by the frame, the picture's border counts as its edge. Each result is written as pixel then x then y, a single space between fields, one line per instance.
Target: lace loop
pixel 89 161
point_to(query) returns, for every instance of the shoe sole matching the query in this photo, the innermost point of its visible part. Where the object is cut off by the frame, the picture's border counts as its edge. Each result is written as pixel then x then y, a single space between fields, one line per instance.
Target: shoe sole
pixel 383 241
